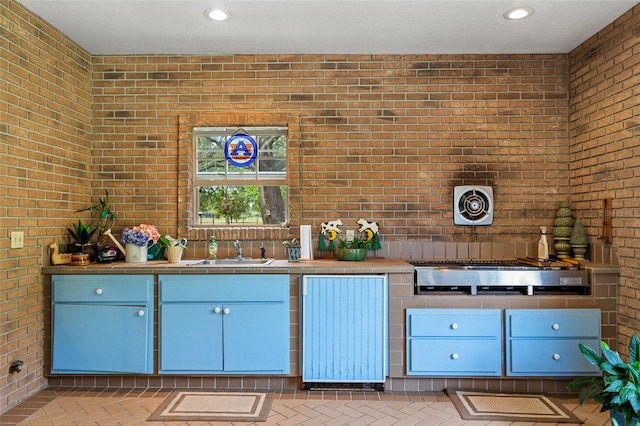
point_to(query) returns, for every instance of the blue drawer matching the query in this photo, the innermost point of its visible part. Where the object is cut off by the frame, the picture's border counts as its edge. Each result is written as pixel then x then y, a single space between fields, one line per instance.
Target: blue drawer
pixel 454 323
pixel 551 357
pixel 559 323
pixel 102 288
pixel 224 288
pixel 455 357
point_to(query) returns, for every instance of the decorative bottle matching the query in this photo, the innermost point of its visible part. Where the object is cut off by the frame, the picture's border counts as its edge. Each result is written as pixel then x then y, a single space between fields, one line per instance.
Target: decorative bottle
pixel 213 248
pixel 543 245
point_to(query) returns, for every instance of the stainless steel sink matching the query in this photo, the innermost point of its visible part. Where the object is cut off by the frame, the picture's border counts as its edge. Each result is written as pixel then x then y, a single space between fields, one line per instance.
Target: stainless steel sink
pixel 233 261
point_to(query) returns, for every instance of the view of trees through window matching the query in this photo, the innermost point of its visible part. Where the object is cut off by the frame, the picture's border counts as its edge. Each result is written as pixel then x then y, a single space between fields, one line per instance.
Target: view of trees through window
pixel 231 194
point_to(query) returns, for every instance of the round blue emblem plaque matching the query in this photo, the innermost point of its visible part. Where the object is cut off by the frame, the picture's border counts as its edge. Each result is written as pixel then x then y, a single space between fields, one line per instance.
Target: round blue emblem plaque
pixel 241 150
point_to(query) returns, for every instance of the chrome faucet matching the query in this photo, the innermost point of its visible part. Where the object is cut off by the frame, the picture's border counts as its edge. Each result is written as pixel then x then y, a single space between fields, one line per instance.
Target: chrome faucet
pixel 238 249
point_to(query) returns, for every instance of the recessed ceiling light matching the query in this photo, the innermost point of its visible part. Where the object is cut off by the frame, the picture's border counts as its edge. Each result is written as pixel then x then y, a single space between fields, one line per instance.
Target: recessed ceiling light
pixel 216 14
pixel 518 13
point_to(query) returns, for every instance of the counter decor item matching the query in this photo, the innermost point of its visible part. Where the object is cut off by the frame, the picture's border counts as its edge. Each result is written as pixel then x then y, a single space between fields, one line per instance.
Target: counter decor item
pixel 213 248
pixel 137 240
pixel 293 250
pixel 81 234
pixel 543 245
pixel 172 247
pixel 355 249
pixel 618 390
pixel 58 258
pixel 579 240
pixel 330 231
pixel 562 227
pixel 102 215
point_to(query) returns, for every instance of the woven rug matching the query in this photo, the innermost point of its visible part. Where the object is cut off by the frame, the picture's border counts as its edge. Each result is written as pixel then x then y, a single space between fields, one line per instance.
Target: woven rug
pixel 515 407
pixel 214 406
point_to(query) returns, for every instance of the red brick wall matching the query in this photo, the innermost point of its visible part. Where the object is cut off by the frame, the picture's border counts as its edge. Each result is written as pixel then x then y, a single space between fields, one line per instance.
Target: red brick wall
pixel 384 137
pixel 45 175
pixel 605 148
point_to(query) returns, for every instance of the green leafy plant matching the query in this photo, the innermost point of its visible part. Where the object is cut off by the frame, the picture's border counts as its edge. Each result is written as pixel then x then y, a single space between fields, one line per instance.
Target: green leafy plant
pixel 81 233
pixel 104 215
pixel 618 389
pixel 163 241
pixel 356 243
pixel 291 243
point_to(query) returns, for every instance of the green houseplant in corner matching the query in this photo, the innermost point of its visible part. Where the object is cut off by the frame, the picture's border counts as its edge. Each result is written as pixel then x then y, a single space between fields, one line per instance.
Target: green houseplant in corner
pixel 618 389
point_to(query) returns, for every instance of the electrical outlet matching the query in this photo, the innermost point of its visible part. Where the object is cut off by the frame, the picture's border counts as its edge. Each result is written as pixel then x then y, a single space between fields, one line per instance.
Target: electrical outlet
pixel 350 234
pixel 17 239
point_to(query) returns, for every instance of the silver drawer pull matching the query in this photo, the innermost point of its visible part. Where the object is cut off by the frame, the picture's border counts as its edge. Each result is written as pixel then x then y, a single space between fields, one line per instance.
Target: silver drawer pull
pixel 556 326
pixel 556 356
pixel 226 311
pixel 141 313
pixel 217 310
pixel 454 356
pixel 99 291
pixel 454 326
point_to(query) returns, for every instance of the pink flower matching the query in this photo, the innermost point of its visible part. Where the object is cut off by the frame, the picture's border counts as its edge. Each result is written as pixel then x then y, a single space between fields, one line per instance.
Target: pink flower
pixel 150 230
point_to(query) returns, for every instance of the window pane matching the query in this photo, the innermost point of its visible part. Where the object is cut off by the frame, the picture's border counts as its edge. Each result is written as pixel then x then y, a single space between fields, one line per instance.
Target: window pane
pixel 241 205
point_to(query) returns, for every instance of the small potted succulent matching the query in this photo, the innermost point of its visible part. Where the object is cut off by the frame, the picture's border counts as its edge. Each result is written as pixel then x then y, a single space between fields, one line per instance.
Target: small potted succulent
pixel 293 249
pixel 355 249
pixel 618 390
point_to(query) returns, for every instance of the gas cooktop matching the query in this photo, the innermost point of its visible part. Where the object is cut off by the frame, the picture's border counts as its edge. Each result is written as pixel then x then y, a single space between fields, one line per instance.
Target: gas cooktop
pixel 524 276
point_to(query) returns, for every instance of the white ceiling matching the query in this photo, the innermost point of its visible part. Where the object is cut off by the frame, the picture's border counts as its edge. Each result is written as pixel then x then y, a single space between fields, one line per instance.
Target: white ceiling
pixel 325 26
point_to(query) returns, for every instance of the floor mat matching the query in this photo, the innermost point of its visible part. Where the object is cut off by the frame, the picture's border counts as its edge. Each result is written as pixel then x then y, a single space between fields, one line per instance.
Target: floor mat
pixel 214 406
pixel 475 405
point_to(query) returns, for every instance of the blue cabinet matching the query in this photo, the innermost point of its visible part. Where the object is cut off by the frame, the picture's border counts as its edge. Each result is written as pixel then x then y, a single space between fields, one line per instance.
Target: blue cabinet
pixel 456 342
pixel 544 342
pixel 214 324
pixel 102 324
pixel 344 329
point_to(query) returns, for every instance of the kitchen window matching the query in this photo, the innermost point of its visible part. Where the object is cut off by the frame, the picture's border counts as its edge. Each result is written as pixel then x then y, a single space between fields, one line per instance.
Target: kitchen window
pixel 240 175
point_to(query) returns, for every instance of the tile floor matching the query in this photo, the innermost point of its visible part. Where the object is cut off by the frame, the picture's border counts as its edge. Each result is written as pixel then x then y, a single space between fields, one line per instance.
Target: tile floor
pixel 332 408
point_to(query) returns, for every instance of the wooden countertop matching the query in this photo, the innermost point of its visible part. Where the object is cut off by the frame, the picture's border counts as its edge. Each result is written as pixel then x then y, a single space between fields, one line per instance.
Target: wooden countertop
pixel 370 265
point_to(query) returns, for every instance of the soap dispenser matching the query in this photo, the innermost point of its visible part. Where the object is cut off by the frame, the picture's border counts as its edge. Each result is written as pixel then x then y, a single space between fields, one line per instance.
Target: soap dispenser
pixel 543 245
pixel 213 248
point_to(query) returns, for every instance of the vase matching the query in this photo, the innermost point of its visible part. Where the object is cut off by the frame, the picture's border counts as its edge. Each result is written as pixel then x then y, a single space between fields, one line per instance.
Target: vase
pixel 351 254
pixel 293 253
pixel 563 248
pixel 174 254
pixel 579 251
pixel 135 254
pixel 617 419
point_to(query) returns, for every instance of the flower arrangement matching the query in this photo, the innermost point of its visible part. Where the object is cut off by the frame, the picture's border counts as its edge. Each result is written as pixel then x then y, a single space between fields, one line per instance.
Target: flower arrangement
pixel 140 235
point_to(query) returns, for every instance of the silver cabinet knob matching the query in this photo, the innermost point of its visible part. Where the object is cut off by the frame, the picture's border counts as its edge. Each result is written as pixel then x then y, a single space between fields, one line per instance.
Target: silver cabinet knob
pixel 98 291
pixel 226 311
pixel 556 356
pixel 556 326
pixel 217 310
pixel 140 313
pixel 454 356
pixel 454 326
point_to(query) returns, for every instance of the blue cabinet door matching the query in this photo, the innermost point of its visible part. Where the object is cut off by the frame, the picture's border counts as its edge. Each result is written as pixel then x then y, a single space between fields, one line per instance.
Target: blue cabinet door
pixel 255 339
pixel 190 338
pixel 91 338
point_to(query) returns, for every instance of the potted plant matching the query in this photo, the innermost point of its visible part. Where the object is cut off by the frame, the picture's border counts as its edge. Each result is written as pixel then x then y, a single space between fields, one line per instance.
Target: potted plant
pixel 105 217
pixel 579 240
pixel 293 249
pixel 618 390
pixel 172 247
pixel 355 249
pixel 81 233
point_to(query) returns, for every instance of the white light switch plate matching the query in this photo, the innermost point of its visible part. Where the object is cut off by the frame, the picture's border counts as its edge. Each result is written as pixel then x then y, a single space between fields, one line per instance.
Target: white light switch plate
pixel 17 239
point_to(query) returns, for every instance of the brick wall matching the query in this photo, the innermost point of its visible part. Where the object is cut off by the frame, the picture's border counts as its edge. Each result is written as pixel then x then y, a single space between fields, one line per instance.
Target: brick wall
pixel 605 148
pixel 45 175
pixel 384 137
